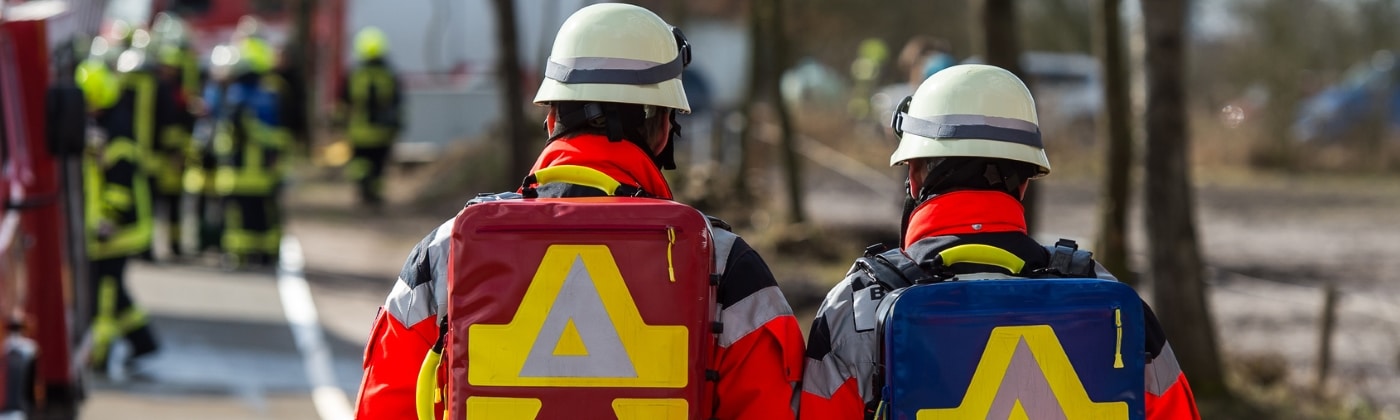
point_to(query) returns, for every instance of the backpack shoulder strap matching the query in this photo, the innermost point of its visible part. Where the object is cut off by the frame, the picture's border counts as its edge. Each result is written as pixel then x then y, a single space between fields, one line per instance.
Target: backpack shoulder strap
pixel 893 270
pixel 890 267
pixel 488 197
pixel 1067 260
pixel 874 276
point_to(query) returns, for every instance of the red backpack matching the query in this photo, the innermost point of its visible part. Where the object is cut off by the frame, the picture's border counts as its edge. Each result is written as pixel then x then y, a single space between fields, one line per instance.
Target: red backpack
pixel 598 307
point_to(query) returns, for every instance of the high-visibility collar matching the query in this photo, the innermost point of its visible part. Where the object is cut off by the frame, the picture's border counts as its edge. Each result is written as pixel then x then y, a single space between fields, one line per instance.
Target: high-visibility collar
pixel 621 160
pixel 966 212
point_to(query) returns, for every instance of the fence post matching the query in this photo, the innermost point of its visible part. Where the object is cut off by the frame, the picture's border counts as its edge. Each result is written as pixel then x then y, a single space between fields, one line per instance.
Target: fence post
pixel 1324 339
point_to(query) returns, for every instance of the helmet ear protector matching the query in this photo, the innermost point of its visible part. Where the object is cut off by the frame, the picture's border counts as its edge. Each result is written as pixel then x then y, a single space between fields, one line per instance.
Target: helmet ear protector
pixel 897 119
pixel 667 158
pixel 682 46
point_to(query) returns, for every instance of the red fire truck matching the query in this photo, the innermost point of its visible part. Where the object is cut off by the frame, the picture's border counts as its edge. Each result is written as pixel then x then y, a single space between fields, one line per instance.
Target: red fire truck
pixel 41 138
pixel 43 299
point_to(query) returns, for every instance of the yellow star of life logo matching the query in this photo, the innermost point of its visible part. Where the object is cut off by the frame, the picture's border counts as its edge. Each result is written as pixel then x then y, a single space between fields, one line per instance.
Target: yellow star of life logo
pixel 1025 374
pixel 577 326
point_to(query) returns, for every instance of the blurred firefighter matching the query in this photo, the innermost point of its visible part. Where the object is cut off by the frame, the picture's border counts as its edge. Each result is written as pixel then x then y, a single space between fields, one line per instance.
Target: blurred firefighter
pixel 170 35
pixel 372 97
pixel 202 223
pixel 128 56
pixel 168 71
pixel 117 208
pixel 866 71
pixel 247 140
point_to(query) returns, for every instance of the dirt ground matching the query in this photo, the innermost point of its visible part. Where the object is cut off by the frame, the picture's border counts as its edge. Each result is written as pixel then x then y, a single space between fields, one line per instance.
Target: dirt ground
pixel 1271 243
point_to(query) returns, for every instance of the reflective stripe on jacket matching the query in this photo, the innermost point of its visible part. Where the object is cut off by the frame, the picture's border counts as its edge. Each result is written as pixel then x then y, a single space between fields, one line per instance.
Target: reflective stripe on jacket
pixel 116 194
pixel 373 97
pixel 144 87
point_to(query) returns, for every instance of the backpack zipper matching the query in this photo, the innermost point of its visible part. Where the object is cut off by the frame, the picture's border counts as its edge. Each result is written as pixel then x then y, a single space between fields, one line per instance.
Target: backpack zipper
pixel 1118 350
pixel 670 235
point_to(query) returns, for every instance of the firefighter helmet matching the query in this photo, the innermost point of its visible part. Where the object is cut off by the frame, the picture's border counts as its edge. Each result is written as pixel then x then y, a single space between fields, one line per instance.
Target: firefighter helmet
pixel 370 43
pixel 254 55
pixel 970 110
pixel 99 85
pixel 619 53
pixel 248 26
pixel 169 29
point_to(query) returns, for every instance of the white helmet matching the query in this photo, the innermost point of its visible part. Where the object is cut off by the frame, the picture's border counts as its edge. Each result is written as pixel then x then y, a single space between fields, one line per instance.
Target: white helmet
pixel 970 110
pixel 619 53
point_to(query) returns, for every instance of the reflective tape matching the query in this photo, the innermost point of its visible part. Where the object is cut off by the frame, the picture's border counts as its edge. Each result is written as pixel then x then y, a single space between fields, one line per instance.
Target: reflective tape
pixel 1162 371
pixel 854 354
pixel 752 313
pixel 980 127
pixel 615 71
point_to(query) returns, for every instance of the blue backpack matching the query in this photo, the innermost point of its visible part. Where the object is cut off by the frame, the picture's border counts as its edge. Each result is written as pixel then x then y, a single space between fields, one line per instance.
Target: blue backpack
pixel 1068 347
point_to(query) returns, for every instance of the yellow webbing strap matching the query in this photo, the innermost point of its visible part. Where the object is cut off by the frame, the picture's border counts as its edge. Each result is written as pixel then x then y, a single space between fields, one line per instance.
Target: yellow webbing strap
pixel 427 390
pixel 983 254
pixel 579 175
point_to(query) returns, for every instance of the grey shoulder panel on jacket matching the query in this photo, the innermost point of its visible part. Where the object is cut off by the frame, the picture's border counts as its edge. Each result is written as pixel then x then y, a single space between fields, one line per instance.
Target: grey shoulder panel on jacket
pixel 748 295
pixel 838 348
pixel 421 289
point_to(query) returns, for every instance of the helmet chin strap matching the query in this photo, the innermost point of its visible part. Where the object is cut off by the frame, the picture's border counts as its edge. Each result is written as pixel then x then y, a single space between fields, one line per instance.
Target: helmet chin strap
pixel 666 159
pixel 909 205
pixel 972 174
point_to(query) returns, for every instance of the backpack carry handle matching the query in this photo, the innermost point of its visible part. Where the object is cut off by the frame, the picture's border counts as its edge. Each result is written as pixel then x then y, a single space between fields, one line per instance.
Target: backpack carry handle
pixel 982 254
pixel 573 174
pixel 427 393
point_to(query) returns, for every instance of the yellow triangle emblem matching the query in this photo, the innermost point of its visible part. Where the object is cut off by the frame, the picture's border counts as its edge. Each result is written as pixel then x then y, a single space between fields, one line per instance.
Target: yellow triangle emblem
pixel 570 342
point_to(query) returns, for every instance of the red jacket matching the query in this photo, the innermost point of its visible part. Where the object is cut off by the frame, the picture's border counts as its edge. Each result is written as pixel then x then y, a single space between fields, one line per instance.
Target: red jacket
pixel 759 352
pixel 841 361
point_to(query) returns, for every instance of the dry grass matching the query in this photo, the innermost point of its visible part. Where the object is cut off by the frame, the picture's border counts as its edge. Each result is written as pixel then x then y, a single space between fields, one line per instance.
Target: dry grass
pixel 1262 391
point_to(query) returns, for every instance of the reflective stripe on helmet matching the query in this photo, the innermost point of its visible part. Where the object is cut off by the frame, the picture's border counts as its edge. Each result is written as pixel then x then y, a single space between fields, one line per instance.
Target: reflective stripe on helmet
pixel 964 126
pixel 610 70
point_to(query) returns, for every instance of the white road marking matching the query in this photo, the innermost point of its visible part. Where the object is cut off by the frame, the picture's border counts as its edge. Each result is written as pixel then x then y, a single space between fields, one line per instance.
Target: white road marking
pixel 331 402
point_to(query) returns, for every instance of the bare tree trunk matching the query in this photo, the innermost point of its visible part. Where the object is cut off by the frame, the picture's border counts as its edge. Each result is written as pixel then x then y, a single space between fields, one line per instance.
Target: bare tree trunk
pixel 792 166
pixel 741 190
pixel 512 97
pixel 1115 128
pixel 768 58
pixel 305 73
pixel 999 43
pixel 1177 267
